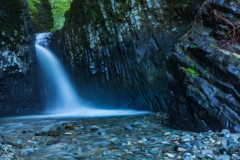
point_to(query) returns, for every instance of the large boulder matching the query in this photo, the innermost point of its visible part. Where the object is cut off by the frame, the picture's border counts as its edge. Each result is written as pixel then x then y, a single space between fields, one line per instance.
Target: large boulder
pixel 204 71
pixel 117 49
pixel 19 87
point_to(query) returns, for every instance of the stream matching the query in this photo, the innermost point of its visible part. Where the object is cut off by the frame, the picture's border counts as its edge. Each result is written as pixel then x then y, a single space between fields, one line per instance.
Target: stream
pixel 119 137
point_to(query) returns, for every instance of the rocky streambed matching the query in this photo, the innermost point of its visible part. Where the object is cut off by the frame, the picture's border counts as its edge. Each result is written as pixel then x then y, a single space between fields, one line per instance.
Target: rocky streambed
pixel 129 137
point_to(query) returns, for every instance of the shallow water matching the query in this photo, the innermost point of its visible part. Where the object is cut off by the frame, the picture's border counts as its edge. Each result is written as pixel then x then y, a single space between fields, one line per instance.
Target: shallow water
pixel 140 137
pixel 93 138
pixel 82 113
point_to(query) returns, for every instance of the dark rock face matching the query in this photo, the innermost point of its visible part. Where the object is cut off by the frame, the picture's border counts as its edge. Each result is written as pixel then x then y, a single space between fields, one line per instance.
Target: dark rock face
pixel 43 18
pixel 117 48
pixel 120 52
pixel 204 72
pixel 19 88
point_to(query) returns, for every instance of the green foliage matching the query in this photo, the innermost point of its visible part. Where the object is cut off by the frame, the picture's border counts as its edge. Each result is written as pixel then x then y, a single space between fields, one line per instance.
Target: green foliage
pixel 59 7
pixel 32 7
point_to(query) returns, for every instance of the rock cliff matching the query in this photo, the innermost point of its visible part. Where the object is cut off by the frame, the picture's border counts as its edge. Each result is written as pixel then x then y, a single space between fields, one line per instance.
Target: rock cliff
pixel 19 87
pixel 42 16
pixel 117 49
pixel 204 70
pixel 122 52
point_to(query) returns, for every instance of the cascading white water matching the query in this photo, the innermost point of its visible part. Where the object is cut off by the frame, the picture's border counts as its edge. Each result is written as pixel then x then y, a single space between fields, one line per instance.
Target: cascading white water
pixel 64 96
pixel 63 99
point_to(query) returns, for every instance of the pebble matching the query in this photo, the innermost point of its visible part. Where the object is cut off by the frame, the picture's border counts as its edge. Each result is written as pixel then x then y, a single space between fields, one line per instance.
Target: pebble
pixel 226 133
pixel 223 157
pixel 27 151
pixel 128 127
pixel 185 138
pixel 187 158
pixel 234 138
pixel 113 138
pixel 235 157
pixel 169 155
pixel 167 134
pixel 180 149
pixel 207 152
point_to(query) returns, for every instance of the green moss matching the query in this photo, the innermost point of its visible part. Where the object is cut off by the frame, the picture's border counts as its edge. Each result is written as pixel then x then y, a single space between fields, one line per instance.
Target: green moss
pixel 212 46
pixel 32 7
pixel 194 46
pixel 199 91
pixel 235 59
pixel 191 72
pixel 204 72
pixel 188 59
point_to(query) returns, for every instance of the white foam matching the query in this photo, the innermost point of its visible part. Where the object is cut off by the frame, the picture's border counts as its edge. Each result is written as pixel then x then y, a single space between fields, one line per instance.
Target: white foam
pixel 84 113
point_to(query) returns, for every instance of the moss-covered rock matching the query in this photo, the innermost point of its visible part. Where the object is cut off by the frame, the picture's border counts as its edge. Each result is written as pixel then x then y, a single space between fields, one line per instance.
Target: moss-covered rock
pixel 41 13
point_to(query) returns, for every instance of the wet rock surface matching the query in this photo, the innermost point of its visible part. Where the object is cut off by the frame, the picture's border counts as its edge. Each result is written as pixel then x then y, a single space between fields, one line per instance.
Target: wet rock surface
pixel 116 50
pixel 204 71
pixel 19 81
pixel 108 138
pixel 125 54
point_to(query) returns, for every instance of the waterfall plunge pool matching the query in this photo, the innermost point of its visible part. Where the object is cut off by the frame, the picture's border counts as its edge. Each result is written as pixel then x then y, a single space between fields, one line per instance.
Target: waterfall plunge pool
pixel 62 98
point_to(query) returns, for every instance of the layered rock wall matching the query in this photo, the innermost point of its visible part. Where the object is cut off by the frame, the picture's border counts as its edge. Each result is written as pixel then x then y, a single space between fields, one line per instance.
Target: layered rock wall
pixel 205 70
pixel 122 52
pixel 118 48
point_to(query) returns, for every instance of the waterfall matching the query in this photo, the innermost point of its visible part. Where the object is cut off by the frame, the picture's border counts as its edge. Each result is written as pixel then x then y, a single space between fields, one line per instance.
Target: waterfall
pixel 61 96
pixel 62 93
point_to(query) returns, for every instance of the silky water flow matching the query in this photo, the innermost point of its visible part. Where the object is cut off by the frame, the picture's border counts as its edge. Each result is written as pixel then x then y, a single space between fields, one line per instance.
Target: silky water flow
pixel 62 99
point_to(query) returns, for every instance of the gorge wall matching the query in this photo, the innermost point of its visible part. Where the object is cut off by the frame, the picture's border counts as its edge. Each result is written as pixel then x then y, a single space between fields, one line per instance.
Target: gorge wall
pixel 116 50
pixel 41 13
pixel 204 70
pixel 19 87
pixel 179 57
pixel 122 52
